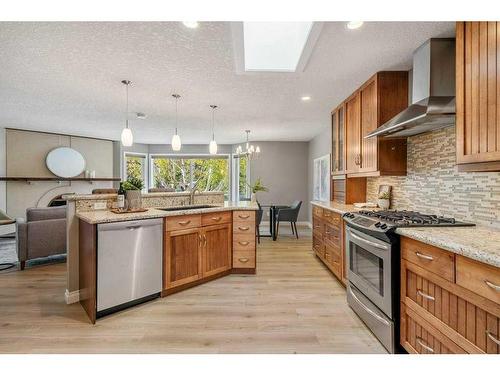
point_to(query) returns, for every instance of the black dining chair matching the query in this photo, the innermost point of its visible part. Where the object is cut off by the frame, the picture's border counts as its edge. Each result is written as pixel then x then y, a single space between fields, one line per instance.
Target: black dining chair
pixel 258 220
pixel 289 214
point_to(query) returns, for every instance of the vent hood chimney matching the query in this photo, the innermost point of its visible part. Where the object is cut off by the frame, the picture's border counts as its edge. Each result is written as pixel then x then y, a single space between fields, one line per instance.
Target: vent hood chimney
pixel 433 94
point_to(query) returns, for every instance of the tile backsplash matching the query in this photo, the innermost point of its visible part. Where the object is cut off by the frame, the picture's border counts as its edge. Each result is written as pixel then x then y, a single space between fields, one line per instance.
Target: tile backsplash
pixel 434 185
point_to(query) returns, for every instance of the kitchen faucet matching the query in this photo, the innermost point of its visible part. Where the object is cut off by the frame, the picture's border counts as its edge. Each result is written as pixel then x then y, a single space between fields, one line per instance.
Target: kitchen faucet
pixel 193 190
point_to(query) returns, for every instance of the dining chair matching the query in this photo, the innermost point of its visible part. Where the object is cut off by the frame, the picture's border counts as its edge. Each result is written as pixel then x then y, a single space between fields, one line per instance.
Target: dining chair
pixel 258 220
pixel 289 214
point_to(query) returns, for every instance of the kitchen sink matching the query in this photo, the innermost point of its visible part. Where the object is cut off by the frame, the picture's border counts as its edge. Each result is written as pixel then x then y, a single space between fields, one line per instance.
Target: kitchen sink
pixel 183 208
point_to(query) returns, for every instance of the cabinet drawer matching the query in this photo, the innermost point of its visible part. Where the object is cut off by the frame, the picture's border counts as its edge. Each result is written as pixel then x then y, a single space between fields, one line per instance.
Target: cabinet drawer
pixel 318 228
pixel 433 259
pixel 420 337
pixel 479 277
pixel 332 234
pixel 182 222
pixel 331 217
pixel 244 259
pixel 332 257
pixel 244 228
pixel 216 218
pixel 317 211
pixel 243 242
pixel 244 216
pixel 454 309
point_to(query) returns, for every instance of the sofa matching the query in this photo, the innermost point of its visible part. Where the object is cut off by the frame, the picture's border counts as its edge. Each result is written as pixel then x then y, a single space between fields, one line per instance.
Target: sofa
pixel 42 234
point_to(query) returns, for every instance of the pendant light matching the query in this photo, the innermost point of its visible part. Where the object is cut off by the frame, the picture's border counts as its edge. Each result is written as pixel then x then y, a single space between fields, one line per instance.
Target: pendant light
pixel 176 140
pixel 212 147
pixel 127 137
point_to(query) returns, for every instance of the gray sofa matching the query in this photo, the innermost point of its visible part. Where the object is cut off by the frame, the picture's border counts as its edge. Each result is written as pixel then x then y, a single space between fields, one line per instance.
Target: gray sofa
pixel 43 233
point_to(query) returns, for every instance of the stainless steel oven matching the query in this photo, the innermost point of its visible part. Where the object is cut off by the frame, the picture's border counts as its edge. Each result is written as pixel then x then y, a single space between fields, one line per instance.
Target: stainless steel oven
pixel 370 292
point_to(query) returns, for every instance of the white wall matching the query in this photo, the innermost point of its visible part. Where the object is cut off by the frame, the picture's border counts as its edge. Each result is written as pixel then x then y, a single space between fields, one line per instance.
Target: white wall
pixel 318 146
pixel 4 229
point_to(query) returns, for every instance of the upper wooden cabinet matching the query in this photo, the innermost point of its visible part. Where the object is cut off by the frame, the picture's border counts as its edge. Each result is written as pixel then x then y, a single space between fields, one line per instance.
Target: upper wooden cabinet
pixel 378 100
pixel 338 131
pixel 478 96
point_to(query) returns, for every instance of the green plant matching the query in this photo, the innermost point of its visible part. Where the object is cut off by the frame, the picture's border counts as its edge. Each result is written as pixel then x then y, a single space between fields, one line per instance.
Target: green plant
pixel 258 186
pixel 384 195
pixel 133 183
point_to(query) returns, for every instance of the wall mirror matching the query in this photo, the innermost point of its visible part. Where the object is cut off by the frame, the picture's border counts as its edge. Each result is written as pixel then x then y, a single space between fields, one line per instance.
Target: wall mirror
pixel 65 162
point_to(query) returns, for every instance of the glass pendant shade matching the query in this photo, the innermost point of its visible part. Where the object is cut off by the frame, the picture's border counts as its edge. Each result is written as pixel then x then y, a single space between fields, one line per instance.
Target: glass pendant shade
pixel 212 147
pixel 127 137
pixel 176 142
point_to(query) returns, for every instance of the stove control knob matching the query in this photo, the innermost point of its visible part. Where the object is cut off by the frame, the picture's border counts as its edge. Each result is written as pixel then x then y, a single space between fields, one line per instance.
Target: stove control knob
pixel 378 223
pixel 383 226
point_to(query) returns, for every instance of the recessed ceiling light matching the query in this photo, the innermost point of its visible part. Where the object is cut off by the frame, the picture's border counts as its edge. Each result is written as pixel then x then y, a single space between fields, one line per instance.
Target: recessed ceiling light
pixel 354 24
pixel 305 98
pixel 191 24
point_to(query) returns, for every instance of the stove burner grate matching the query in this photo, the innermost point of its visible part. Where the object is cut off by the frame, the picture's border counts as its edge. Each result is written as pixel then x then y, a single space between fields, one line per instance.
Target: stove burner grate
pixel 405 218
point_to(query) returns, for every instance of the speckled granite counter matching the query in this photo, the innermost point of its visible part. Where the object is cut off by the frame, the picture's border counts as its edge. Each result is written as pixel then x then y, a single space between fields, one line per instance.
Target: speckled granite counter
pixel 339 207
pixel 479 243
pixel 105 216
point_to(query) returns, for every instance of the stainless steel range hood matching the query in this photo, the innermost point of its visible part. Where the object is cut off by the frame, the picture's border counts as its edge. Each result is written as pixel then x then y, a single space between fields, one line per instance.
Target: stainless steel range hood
pixel 433 93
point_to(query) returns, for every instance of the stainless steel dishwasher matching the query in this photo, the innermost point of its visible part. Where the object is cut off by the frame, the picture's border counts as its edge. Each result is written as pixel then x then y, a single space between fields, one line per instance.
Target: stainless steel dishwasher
pixel 129 263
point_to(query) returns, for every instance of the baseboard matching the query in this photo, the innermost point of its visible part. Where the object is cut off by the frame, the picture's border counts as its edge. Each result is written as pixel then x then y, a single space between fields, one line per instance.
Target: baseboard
pixel 72 297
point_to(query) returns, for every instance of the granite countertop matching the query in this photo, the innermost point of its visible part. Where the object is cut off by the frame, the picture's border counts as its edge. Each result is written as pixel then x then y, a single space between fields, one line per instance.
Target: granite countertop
pixel 77 197
pixel 339 207
pixel 478 243
pixel 106 216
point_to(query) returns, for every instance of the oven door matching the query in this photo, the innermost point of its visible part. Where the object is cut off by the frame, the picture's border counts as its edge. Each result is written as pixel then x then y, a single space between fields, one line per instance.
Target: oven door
pixel 370 268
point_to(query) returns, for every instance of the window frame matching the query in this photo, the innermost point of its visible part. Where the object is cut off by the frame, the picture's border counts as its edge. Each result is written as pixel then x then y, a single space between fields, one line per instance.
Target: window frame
pixel 145 171
pixel 191 156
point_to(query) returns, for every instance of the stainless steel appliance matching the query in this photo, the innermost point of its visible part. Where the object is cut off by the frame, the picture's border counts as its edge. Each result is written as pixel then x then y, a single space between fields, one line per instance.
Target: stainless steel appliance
pixel 129 263
pixel 373 266
pixel 433 92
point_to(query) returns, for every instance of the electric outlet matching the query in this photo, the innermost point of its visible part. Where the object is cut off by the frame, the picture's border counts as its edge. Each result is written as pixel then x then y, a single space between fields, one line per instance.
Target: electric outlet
pixel 99 205
pixel 267 213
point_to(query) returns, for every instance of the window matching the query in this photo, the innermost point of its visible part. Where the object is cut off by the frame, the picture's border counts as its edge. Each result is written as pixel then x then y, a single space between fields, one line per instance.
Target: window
pixel 183 172
pixel 241 179
pixel 135 166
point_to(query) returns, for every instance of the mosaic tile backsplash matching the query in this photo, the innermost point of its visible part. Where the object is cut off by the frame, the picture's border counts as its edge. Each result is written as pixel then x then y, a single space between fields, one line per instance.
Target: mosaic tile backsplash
pixel 433 184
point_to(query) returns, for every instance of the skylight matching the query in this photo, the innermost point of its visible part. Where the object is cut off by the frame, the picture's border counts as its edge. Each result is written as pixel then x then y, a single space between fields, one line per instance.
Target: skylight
pixel 274 46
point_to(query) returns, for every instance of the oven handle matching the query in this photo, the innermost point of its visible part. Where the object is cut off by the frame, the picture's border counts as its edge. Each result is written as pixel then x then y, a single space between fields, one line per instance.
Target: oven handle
pixel 368 310
pixel 367 241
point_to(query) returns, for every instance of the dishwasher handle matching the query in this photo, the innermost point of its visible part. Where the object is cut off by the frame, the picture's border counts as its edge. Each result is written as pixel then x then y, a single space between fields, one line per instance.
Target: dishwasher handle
pixel 128 225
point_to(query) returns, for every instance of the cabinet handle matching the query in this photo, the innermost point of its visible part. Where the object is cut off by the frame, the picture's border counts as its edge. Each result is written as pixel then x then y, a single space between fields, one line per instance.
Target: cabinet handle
pixel 243 260
pixel 204 239
pixel 493 338
pixel 218 218
pixel 200 239
pixel 184 222
pixel 492 286
pixel 244 228
pixel 424 345
pixel 424 256
pixel 243 243
pixel 426 296
pixel 326 215
pixel 243 216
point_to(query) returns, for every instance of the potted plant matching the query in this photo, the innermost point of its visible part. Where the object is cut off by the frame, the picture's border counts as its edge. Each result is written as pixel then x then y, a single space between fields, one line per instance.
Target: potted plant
pixel 384 200
pixel 133 187
pixel 256 187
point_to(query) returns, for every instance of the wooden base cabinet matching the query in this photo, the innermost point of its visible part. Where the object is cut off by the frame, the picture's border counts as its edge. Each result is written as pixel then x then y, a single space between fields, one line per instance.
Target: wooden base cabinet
pixel 216 249
pixel 445 316
pixel 327 240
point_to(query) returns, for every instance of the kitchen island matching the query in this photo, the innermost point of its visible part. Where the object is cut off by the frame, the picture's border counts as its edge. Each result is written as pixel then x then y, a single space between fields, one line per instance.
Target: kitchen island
pixel 194 244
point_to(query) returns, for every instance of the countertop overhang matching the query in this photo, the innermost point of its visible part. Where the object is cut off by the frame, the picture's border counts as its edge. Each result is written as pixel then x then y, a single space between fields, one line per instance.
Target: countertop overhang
pixel 106 216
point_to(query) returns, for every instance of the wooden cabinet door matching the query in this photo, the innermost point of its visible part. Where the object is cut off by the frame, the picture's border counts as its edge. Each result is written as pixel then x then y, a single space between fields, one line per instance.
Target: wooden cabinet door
pixel 182 260
pixel 216 249
pixel 338 132
pixel 353 133
pixel 368 103
pixel 478 94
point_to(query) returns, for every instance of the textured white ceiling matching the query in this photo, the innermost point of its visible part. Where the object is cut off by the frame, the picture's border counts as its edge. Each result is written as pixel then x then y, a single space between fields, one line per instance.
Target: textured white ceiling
pixel 65 77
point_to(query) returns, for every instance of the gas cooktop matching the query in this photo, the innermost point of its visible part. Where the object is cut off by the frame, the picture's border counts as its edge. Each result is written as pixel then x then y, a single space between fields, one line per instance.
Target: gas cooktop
pixel 388 220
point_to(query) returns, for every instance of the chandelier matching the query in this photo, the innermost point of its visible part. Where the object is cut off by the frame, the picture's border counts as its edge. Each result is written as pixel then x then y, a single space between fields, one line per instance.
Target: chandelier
pixel 250 150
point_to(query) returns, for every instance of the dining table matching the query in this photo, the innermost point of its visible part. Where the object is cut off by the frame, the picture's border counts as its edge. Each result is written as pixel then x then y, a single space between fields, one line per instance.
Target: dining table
pixel 273 210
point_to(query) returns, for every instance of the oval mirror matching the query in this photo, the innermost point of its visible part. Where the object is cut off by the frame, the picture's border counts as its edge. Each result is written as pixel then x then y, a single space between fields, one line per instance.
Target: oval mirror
pixel 65 162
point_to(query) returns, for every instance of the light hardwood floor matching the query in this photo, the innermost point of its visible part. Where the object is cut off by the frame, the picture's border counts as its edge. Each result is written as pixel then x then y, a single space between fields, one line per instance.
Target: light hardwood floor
pixel 292 305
